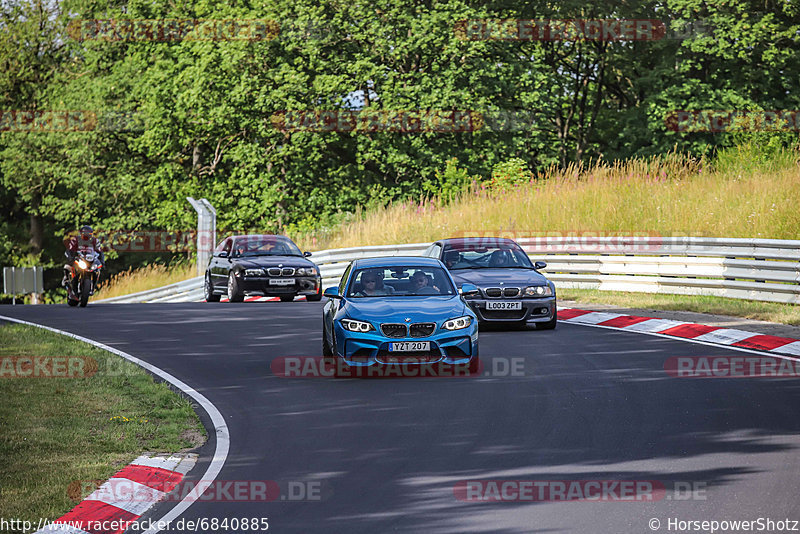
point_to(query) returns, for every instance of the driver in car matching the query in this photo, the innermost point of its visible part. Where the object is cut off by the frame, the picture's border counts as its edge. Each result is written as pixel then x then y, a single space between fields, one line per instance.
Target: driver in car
pixel 452 260
pixel 500 258
pixel 420 284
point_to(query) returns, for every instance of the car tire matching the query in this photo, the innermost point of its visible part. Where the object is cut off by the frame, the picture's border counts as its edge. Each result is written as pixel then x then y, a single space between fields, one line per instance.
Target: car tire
pixel 287 298
pixel 326 349
pixel 208 289
pixel 234 293
pixel 329 358
pixel 549 325
pixel 315 298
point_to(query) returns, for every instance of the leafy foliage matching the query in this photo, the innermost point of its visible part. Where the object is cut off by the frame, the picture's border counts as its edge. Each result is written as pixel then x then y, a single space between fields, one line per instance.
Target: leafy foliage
pixel 200 112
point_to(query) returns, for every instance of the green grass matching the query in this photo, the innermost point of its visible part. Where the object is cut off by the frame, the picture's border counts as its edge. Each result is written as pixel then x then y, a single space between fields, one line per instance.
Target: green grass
pixel 57 432
pixel 748 309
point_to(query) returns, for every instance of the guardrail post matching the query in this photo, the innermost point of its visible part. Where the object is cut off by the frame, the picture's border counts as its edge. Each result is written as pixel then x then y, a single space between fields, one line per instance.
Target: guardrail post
pixel 23 280
pixel 206 231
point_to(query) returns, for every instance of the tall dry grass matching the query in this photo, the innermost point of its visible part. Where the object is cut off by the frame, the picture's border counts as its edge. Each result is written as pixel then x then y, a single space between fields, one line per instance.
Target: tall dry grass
pixel 738 195
pixel 144 278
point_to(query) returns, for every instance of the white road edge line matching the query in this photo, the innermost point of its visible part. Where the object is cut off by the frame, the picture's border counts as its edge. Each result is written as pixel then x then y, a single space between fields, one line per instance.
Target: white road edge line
pixel 223 437
pixel 677 338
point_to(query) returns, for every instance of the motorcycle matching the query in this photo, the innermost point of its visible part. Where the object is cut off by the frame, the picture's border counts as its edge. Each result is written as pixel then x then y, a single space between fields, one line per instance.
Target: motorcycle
pixel 83 278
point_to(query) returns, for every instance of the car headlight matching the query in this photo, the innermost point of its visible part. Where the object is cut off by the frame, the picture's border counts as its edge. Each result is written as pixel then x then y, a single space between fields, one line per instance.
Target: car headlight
pixel 458 323
pixel 356 326
pixel 300 271
pixel 538 291
pixel 253 272
pixel 82 264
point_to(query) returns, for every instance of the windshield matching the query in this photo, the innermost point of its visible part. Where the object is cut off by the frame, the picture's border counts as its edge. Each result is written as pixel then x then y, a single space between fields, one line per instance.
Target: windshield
pixel 400 282
pixel 258 245
pixel 486 256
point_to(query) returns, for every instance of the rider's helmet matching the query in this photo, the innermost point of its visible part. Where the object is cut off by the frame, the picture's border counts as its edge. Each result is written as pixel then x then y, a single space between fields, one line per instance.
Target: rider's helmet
pixel 85 235
pixel 86 232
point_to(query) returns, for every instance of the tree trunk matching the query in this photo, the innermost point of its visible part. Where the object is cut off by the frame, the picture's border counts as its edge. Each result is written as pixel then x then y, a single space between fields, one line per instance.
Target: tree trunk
pixel 37 226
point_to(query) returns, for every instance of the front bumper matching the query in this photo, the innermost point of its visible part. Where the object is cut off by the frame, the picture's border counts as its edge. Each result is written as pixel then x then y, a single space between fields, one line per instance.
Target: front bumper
pixel 533 310
pixel 303 285
pixel 359 349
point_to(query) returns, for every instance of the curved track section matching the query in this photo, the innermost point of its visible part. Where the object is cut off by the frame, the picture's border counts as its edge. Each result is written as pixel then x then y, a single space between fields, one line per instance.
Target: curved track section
pixel 590 405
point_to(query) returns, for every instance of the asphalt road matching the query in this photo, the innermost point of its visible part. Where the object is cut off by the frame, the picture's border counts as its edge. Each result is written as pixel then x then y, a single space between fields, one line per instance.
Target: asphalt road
pixel 592 404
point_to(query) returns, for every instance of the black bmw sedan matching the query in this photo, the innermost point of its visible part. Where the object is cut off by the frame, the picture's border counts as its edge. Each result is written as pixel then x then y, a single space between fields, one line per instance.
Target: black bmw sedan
pixel 268 265
pixel 511 288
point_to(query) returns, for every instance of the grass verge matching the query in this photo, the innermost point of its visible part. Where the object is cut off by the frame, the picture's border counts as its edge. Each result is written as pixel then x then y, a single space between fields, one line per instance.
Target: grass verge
pixel 748 309
pixel 738 195
pixel 144 278
pixel 56 433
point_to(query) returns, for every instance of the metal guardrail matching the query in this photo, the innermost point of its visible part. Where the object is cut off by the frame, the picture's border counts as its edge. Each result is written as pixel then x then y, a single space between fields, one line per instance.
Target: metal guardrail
pixel 754 269
pixel 159 294
pixel 21 280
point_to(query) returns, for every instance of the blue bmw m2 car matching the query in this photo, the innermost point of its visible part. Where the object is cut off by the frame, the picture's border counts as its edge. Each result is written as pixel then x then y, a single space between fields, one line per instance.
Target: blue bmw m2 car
pixel 402 311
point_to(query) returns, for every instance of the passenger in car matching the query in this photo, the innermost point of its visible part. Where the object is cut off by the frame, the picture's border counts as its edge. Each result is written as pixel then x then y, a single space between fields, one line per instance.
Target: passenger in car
pixel 369 286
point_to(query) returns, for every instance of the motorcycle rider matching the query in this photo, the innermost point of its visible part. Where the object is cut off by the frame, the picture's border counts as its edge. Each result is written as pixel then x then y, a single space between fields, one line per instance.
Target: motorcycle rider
pixel 84 242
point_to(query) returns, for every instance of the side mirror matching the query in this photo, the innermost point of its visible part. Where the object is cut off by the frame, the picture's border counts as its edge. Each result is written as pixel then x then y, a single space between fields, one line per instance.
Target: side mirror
pixel 223 254
pixel 540 265
pixel 332 293
pixel 306 254
pixel 468 290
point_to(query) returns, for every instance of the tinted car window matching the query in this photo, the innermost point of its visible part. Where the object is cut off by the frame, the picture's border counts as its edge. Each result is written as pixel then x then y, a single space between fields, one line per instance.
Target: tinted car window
pixel 472 256
pixel 265 246
pixel 400 282
pixel 344 279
